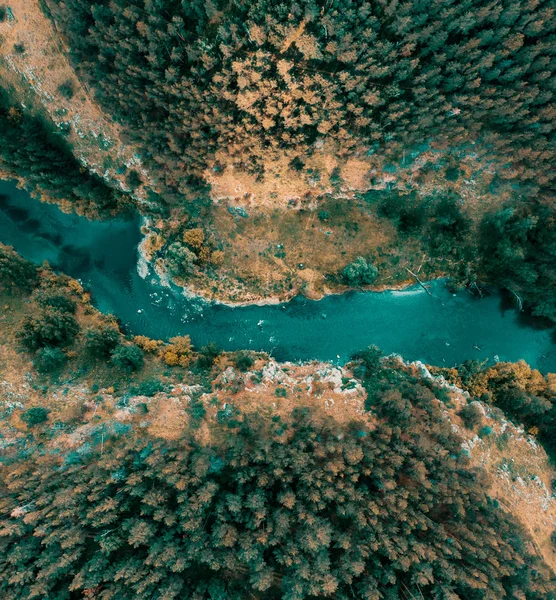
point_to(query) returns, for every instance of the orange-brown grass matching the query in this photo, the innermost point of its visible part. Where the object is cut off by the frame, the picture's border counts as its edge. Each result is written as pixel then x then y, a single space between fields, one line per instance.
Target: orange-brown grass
pixel 520 470
pixel 276 389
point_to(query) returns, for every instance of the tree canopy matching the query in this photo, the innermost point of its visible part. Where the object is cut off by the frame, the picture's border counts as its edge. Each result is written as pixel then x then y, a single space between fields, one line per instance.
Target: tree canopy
pixel 257 77
pixel 294 506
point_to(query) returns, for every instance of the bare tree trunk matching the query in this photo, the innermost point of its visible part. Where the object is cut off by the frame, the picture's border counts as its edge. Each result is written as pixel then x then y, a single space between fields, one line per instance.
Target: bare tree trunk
pixel 518 299
pixel 419 281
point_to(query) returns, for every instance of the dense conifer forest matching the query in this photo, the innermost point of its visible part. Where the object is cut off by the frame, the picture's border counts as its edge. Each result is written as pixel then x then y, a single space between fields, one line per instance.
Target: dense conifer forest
pixel 139 468
pixel 256 77
pixel 248 501
pixel 383 507
pixel 31 151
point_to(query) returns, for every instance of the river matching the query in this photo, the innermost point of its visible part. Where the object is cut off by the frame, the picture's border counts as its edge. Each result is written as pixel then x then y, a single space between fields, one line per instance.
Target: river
pixel 443 330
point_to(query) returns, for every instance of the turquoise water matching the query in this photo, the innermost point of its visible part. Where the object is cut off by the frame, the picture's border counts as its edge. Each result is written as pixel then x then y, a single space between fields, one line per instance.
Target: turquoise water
pixel 443 330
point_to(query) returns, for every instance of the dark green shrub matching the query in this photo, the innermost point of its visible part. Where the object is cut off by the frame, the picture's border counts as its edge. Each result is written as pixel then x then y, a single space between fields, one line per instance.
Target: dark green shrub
pixel 369 362
pixel 449 224
pixel 207 355
pixel 66 89
pixel 297 164
pixel 243 360
pixel 471 415
pixel 50 360
pixel 484 431
pixel 408 213
pixel 359 272
pixel 102 341
pixel 49 328
pixel 452 173
pixel 149 387
pixel 50 299
pixel 128 358
pixel 35 416
pixel 133 179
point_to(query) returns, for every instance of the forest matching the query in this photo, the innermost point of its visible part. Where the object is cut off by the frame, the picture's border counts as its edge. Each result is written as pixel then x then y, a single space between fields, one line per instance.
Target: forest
pixel 141 468
pixel 292 507
pixel 248 502
pixel 207 85
pixel 31 151
pixel 257 78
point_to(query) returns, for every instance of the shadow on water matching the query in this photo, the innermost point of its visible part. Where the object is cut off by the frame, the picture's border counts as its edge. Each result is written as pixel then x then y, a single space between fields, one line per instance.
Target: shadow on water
pixel 524 319
pixel 74 259
pixel 445 329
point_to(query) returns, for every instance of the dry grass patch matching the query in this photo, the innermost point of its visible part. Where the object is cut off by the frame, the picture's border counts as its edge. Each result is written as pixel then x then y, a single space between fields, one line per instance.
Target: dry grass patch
pixel 520 470
pixel 276 389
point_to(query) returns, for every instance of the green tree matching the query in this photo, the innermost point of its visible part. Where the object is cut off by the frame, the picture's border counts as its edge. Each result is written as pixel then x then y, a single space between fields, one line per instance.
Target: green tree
pixel 207 355
pixel 101 341
pixel 180 261
pixel 48 328
pixel 35 416
pixel 128 358
pixel 359 272
pixel 67 89
pixel 52 299
pixel 243 360
pixel 50 360
pixel 15 272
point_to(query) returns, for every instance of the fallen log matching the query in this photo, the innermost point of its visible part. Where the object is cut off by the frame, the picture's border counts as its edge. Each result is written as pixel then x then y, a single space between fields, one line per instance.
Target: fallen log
pixel 419 281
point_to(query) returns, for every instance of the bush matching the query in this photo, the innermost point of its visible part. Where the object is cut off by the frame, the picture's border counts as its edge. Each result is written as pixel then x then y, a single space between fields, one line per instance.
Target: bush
pixel 177 352
pixel 49 299
pixel 194 237
pixel 359 272
pixel 127 358
pixel 133 179
pixel 217 258
pixel 147 344
pixel 66 89
pixel 471 415
pixel 369 360
pixel 149 387
pixel 19 48
pixel 297 164
pixel 49 328
pixel 35 416
pixel 50 360
pixel 180 261
pixel 407 212
pixel 243 360
pixel 102 341
pixel 208 355
pixel 484 431
pixel 450 225
pixel 3 14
